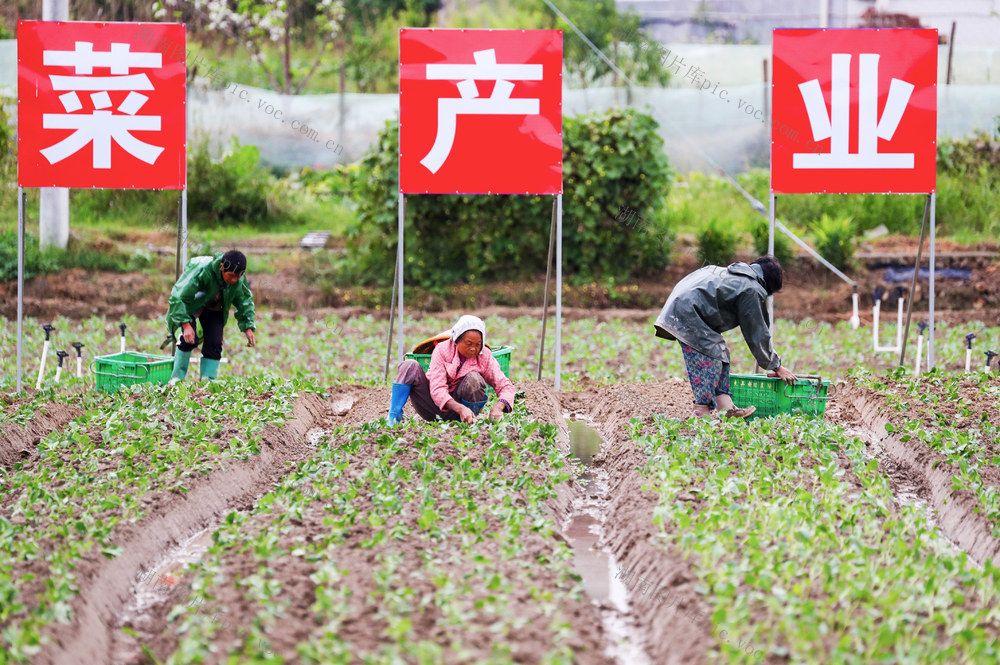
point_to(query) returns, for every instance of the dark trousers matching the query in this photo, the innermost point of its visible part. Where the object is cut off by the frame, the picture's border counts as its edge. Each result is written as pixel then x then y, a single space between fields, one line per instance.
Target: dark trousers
pixel 471 389
pixel 211 326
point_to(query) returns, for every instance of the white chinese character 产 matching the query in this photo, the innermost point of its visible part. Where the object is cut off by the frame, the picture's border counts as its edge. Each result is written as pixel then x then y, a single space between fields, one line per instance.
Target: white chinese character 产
pixel 469 103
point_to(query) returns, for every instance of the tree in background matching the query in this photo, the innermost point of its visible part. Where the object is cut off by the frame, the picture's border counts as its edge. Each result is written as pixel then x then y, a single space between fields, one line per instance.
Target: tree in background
pixel 616 35
pixel 253 23
pixel 363 32
pixel 372 31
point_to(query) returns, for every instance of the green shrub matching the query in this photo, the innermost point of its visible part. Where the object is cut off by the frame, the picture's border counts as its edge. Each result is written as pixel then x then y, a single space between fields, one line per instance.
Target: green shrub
pixel 610 160
pixel 834 240
pixel 717 241
pixel 968 205
pixel 899 213
pixel 35 263
pixel 783 249
pixel 231 189
pixel 102 255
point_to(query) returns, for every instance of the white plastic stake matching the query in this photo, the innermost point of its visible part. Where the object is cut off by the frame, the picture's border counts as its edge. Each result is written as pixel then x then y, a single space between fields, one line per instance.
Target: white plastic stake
pixel 920 350
pixel 855 320
pixel 968 351
pixel 875 310
pixel 79 358
pixel 49 329
pixel 58 373
pixel 41 368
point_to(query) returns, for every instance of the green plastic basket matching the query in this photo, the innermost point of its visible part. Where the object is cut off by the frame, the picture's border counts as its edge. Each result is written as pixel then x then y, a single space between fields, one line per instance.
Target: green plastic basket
pixel 772 396
pixel 130 367
pixel 502 355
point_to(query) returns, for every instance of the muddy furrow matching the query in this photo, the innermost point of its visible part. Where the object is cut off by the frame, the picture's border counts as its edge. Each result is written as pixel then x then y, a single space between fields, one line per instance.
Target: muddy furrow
pixel 661 593
pixel 957 511
pixel 365 629
pixel 105 585
pixel 17 443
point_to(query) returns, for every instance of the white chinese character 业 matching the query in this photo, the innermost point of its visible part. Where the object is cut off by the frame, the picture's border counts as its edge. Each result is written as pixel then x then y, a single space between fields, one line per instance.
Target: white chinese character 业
pixel 102 125
pixel 498 103
pixel 836 124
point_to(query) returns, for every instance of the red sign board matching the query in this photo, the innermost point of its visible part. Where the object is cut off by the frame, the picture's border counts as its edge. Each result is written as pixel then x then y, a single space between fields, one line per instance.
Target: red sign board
pixel 855 110
pixel 101 105
pixel 480 111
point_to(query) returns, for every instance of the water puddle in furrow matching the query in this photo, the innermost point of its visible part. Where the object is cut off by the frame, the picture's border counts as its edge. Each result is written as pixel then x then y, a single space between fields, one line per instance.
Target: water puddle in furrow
pixel 151 588
pixel 584 529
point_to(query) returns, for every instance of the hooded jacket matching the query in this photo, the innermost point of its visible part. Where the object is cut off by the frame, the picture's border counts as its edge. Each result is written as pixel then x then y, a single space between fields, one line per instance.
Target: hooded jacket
pixel 200 282
pixel 712 300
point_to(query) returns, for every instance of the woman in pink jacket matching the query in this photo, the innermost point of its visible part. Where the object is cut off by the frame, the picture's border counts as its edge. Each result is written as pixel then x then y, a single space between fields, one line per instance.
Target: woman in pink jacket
pixel 454 386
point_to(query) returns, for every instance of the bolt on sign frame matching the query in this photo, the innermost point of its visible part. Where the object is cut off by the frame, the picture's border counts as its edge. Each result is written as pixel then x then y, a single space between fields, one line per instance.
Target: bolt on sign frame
pixel 869 100
pixel 99 105
pixel 480 112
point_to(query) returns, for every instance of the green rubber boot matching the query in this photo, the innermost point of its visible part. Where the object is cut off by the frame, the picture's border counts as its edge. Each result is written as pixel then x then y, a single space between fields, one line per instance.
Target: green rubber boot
pixel 209 369
pixel 181 360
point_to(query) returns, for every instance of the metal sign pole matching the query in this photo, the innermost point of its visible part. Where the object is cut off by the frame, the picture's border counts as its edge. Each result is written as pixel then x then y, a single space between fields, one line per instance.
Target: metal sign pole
pixel 184 228
pixel 913 285
pixel 399 262
pixel 180 233
pixel 930 295
pixel 545 297
pixel 20 288
pixel 772 202
pixel 558 290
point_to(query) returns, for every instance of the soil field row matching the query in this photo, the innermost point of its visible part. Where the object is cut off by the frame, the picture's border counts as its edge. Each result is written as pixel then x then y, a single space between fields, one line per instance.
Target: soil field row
pixel 336 540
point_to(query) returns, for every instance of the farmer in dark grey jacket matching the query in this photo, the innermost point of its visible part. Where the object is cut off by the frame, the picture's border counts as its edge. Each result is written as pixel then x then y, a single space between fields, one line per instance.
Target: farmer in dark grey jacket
pixel 707 303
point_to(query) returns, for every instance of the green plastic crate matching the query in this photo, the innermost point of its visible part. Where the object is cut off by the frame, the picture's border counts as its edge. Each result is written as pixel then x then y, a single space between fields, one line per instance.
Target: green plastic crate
pixel 502 355
pixel 131 367
pixel 772 396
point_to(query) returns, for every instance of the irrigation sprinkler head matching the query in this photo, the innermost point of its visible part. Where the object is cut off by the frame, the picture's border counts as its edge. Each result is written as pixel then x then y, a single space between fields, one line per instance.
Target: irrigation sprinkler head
pixel 922 326
pixel 878 294
pixel 61 354
pixel 79 348
pixel 49 329
pixel 122 327
pixel 855 287
pixel 969 338
pixel 990 355
pixel 898 292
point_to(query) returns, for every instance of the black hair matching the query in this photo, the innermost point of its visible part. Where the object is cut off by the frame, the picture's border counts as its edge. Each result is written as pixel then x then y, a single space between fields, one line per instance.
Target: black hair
pixel 234 261
pixel 773 273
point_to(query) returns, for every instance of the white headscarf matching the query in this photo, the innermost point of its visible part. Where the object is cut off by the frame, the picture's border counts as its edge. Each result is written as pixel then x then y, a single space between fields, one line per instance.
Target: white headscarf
pixel 466 323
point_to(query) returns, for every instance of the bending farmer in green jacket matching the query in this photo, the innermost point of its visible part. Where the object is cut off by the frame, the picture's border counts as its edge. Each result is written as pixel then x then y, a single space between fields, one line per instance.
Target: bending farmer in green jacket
pixel 209 286
pixel 707 303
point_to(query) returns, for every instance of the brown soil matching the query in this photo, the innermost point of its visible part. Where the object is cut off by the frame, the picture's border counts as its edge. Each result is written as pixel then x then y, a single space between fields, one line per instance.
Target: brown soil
pixel 958 512
pixel 17 443
pixel 364 628
pixel 671 614
pixel 104 584
pixel 810 291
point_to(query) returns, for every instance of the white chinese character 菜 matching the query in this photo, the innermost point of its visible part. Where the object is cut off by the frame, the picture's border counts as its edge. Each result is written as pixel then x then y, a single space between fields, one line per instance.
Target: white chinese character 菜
pixel 836 124
pixel 498 103
pixel 102 125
